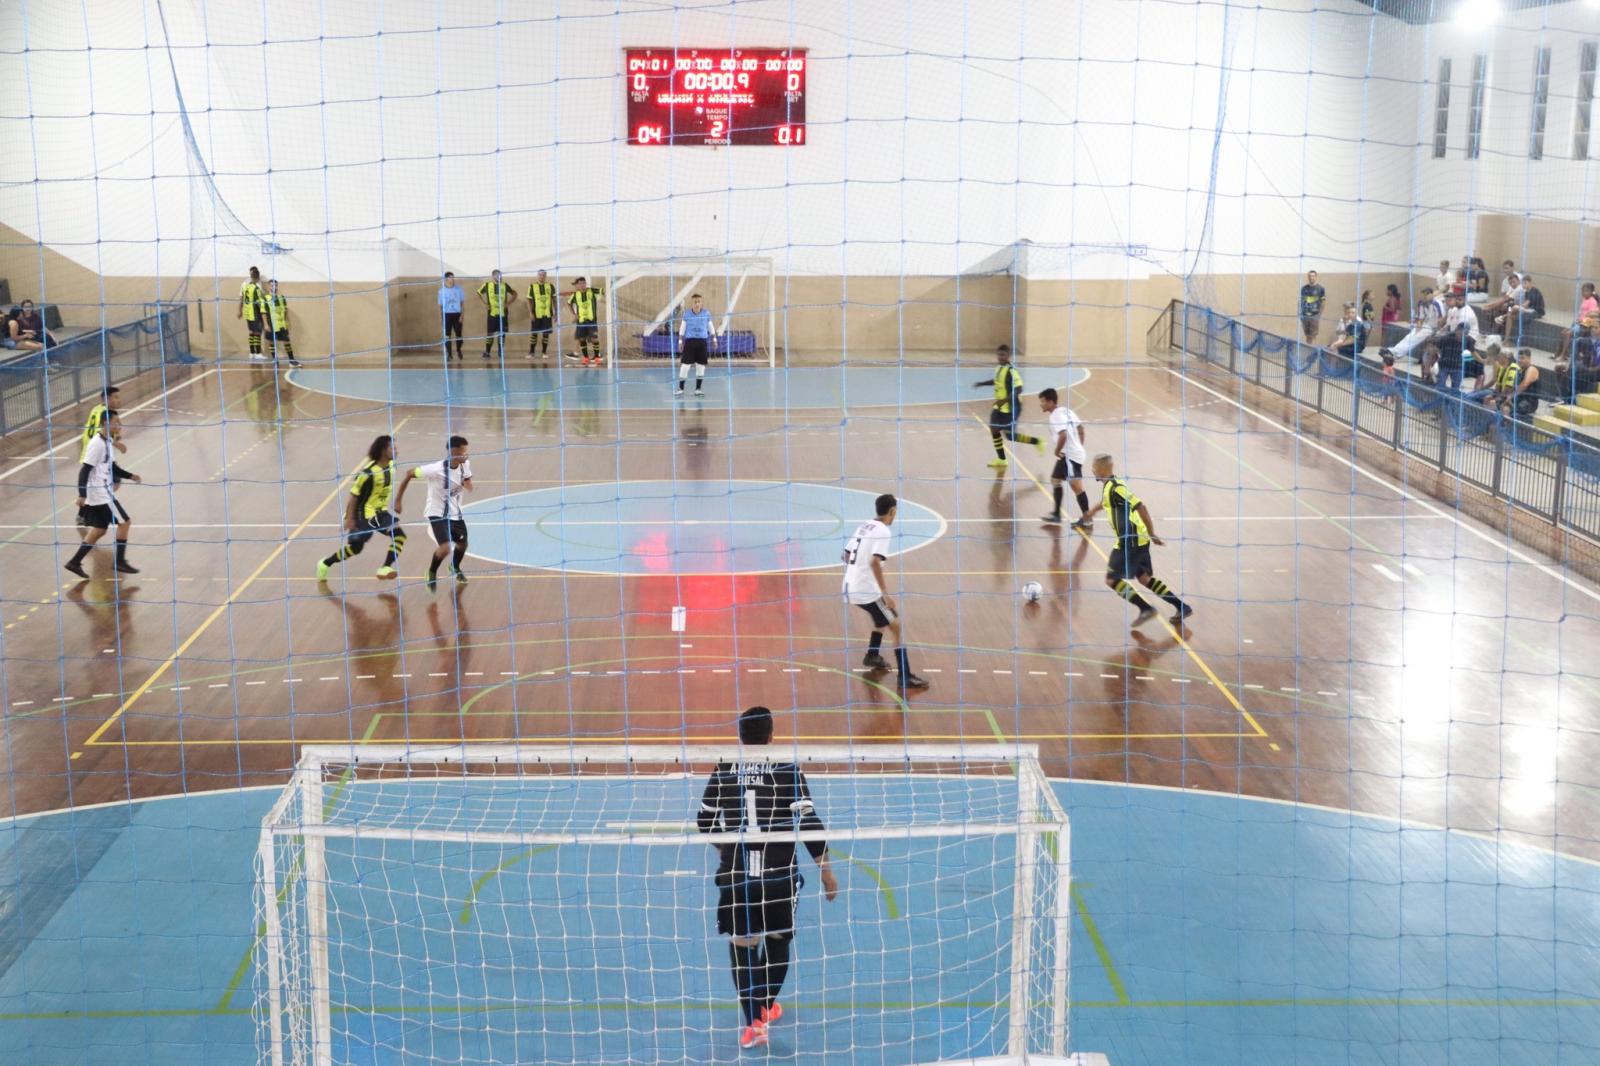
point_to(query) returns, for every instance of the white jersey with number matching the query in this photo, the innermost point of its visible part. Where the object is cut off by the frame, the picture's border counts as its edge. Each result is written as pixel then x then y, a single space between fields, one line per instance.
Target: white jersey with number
pixel 98 455
pixel 444 487
pixel 870 541
pixel 1064 418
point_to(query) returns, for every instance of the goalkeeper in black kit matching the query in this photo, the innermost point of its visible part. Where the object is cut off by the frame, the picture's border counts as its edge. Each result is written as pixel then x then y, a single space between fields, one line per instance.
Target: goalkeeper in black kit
pixel 758 883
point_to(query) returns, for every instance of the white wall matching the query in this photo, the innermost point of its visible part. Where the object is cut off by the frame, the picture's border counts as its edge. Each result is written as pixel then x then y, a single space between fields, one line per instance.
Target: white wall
pixel 1504 180
pixel 940 131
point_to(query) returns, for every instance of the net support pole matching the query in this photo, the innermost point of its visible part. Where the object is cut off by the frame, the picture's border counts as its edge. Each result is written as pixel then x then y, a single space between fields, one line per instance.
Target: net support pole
pixel 272 943
pixel 1022 913
pixel 772 315
pixel 1063 941
pixel 611 321
pixel 316 892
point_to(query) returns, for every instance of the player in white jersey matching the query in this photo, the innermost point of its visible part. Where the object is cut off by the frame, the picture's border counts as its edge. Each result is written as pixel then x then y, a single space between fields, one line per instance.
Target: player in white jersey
pixel 1067 438
pixel 446 479
pixel 97 501
pixel 863 557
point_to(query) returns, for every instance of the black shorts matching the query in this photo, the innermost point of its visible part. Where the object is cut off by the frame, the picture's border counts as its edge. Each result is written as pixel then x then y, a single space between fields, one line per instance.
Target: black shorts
pixel 366 528
pixel 102 515
pixel 497 324
pixel 452 323
pixel 254 325
pixel 759 908
pixel 541 324
pixel 1067 470
pixel 1002 421
pixel 881 615
pixel 695 351
pixel 448 530
pixel 281 335
pixel 587 329
pixel 1129 562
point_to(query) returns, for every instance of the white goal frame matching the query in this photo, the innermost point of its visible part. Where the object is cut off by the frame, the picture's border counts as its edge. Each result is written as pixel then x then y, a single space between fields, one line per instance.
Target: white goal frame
pixel 1039 815
pixel 619 269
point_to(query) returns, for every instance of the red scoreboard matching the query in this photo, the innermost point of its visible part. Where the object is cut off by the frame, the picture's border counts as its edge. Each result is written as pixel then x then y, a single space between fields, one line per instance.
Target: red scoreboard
pixel 717 96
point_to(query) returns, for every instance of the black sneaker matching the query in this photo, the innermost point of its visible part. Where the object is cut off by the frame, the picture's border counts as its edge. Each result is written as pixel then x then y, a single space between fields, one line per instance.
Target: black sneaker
pixel 125 567
pixel 1050 519
pixel 1083 525
pixel 296 363
pixel 433 580
pixel 1179 615
pixel 912 681
pixel 76 568
pixel 875 661
pixel 461 577
pixel 573 356
pixel 1145 615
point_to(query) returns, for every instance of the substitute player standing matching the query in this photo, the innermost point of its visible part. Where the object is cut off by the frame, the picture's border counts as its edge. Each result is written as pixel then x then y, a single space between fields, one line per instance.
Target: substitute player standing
pixel 278 325
pixel 97 502
pixel 497 298
pixel 758 881
pixel 446 479
pixel 584 300
pixel 695 333
pixel 1135 532
pixel 367 512
pixel 253 309
pixel 542 304
pixel 863 556
pixel 1007 408
pixel 1066 435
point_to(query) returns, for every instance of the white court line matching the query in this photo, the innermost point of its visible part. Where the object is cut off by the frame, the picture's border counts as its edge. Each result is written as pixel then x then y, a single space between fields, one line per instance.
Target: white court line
pixel 75 437
pixel 1515 553
pixel 1386 572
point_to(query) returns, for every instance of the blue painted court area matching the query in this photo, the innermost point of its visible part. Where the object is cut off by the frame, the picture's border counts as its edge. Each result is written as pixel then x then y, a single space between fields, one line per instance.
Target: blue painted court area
pixel 1207 930
pixel 683 527
pixel 649 388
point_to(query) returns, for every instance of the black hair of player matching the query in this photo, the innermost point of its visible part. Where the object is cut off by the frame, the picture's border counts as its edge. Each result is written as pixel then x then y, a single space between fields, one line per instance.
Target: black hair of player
pixel 112 390
pixel 755 726
pixel 375 452
pixel 449 273
pixel 1048 394
pixel 886 503
pixel 458 441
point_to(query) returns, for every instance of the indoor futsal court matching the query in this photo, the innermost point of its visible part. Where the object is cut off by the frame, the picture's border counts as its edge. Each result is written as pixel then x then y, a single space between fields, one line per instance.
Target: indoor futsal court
pixel 739 532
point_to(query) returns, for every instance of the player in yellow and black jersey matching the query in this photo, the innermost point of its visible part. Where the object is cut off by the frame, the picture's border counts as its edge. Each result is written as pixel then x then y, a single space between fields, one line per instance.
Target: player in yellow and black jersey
pixel 1007 382
pixel 497 299
pixel 366 513
pixel 253 309
pixel 542 303
pixel 584 299
pixel 1135 532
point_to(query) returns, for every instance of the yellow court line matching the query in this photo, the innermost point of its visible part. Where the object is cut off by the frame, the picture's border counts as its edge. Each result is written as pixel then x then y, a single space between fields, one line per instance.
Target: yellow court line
pixel 1175 631
pixel 167 663
pixel 673 737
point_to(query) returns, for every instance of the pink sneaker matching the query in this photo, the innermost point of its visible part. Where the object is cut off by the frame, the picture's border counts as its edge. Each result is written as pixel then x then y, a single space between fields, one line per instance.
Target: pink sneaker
pixel 754 1035
pixel 772 1013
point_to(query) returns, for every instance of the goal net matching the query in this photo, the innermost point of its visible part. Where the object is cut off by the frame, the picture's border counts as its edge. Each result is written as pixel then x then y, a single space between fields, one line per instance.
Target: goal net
pixel 648 289
pixel 499 904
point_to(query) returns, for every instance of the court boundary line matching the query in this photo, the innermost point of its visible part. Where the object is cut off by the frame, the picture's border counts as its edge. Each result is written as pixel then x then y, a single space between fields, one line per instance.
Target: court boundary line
pixel 1176 631
pixel 42 456
pixel 1405 493
pixel 166 664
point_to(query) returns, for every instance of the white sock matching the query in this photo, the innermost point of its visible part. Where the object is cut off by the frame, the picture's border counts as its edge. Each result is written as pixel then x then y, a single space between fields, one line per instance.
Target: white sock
pixel 683 372
pixel 699 377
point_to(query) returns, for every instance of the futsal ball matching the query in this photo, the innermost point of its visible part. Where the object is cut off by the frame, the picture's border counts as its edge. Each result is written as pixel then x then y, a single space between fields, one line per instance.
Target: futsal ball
pixel 1032 591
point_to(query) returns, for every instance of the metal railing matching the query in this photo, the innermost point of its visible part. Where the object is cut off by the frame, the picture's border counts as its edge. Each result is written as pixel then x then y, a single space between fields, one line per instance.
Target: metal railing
pixel 33 385
pixel 1553 476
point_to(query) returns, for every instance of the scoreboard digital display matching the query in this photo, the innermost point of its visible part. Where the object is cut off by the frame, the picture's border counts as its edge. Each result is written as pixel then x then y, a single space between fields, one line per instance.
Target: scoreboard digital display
pixel 712 96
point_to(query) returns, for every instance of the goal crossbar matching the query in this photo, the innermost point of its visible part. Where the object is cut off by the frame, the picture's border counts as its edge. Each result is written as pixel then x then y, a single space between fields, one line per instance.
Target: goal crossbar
pixel 321 755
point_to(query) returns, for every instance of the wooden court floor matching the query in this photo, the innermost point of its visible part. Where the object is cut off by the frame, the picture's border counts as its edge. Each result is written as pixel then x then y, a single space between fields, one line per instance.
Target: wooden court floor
pixel 1354 644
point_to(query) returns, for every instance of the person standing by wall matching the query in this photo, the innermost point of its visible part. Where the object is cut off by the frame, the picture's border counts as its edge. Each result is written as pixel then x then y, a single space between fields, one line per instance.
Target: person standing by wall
pixel 542 305
pixel 1312 297
pixel 451 297
pixel 253 309
pixel 497 297
pixel 278 324
pixel 584 300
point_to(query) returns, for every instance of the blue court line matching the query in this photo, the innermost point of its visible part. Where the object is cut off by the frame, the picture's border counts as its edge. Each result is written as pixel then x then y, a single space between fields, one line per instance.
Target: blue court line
pixel 651 388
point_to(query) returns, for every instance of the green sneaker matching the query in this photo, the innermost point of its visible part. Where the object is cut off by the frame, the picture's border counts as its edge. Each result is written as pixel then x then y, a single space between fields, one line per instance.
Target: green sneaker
pixel 322 569
pixel 387 573
pixel 1038 442
pixel 998 464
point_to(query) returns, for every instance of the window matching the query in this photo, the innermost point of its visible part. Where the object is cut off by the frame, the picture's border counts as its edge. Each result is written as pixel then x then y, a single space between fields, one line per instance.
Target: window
pixel 1480 88
pixel 1441 110
pixel 1583 109
pixel 1541 102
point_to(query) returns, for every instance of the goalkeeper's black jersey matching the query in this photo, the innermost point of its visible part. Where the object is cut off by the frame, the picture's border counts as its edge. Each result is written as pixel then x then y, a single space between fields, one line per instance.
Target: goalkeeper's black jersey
pixel 759 797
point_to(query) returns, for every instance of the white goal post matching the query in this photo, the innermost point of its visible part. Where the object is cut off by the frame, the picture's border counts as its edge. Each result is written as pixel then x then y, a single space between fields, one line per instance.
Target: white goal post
pixel 367 852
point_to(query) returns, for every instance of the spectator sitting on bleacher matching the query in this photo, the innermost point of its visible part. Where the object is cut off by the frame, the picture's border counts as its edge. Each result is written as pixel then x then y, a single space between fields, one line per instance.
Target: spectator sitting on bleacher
pixel 11 335
pixel 1587 318
pixel 1425 323
pixel 1527 384
pixel 1477 282
pixel 1456 343
pixel 1516 318
pixel 1446 279
pixel 1508 270
pixel 32 325
pixel 1351 336
pixel 1393 304
pixel 1503 380
pixel 1577 372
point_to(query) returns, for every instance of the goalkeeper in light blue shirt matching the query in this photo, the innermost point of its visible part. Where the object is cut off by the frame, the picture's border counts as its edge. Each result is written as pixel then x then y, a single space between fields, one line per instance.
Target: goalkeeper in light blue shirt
pixel 695 330
pixel 450 297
